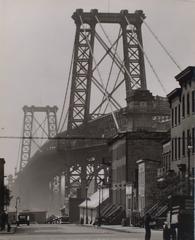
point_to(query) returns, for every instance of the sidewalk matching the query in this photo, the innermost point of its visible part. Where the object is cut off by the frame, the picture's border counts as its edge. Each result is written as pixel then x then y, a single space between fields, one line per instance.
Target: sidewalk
pixel 12 230
pixel 121 228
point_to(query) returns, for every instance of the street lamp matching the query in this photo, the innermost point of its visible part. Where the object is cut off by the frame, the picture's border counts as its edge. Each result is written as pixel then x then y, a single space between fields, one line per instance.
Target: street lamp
pixel 86 190
pixel 2 162
pixel 99 209
pixel 189 188
pixel 17 203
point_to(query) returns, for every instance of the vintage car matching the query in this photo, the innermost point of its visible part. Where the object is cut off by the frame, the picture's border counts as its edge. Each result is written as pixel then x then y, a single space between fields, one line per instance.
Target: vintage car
pixel 23 219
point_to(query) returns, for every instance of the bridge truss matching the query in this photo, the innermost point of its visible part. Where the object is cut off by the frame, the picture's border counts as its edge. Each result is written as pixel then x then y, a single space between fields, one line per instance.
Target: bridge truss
pixel 86 67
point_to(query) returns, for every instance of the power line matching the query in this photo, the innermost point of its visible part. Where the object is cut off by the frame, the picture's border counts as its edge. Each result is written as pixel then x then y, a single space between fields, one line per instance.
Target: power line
pixel 86 138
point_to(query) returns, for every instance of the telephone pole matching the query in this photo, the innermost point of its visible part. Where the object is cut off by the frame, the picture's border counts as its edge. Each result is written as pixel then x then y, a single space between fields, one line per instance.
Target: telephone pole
pixel 2 162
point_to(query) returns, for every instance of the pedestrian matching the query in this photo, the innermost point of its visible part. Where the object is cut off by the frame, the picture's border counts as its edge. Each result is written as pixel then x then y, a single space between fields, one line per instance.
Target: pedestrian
pixel 147 222
pixel 3 220
pixel 0 220
pixel 166 232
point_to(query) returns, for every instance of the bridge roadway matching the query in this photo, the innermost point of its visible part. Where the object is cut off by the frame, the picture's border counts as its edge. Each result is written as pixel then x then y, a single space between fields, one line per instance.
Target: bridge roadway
pixel 72 149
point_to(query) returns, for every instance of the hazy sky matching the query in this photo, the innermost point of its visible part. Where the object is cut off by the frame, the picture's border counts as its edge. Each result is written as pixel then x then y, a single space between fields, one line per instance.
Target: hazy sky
pixel 36 41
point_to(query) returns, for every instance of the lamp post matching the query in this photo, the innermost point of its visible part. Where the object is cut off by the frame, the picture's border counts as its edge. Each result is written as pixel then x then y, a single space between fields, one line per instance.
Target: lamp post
pixel 120 188
pixel 17 203
pixel 99 209
pixel 86 219
pixel 2 162
pixel 189 187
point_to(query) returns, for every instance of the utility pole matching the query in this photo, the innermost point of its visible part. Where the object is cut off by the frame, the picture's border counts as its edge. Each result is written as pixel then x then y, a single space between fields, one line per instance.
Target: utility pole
pixel 2 162
pixel 99 209
pixel 189 147
pixel 86 198
pixel 189 174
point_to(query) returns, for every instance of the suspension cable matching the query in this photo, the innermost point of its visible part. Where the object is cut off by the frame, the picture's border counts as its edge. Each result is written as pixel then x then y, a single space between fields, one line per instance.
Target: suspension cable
pixel 107 51
pixel 147 58
pixel 19 152
pixel 113 90
pixel 66 116
pixel 66 93
pixel 126 70
pixel 106 94
pixel 111 68
pixel 102 90
pixel 115 87
pixel 162 45
pixel 117 61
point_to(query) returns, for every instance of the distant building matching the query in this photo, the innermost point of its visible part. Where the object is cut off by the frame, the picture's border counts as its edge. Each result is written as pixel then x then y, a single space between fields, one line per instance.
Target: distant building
pixel 182 103
pixel 90 208
pixel 127 148
pixel 147 173
pixel 166 159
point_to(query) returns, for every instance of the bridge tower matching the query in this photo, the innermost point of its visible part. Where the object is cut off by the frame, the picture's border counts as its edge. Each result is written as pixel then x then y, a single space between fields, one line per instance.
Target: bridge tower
pixel 46 124
pixel 83 75
pixel 83 72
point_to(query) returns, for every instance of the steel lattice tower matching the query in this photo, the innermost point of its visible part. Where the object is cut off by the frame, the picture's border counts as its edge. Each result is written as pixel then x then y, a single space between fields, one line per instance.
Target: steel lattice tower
pixel 82 72
pixel 29 132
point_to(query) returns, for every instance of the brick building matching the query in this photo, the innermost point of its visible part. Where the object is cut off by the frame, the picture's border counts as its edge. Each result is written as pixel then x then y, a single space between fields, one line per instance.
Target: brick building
pixel 147 173
pixel 142 139
pixel 127 149
pixel 182 104
pixel 166 159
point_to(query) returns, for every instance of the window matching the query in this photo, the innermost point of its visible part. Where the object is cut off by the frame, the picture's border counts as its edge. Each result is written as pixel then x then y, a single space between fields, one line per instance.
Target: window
pixel 183 144
pixel 188 104
pixel 179 114
pixel 193 101
pixel 175 116
pixel 183 106
pixel 179 147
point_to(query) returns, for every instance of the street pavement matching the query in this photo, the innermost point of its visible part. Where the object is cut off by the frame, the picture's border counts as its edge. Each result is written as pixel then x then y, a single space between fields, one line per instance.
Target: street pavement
pixel 77 232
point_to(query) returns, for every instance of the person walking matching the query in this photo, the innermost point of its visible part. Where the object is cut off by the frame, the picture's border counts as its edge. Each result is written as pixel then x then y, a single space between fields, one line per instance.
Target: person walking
pixel 166 232
pixel 147 221
pixel 3 220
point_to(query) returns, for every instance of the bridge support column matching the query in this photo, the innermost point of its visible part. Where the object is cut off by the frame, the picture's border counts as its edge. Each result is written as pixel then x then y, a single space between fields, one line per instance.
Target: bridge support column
pixel 83 179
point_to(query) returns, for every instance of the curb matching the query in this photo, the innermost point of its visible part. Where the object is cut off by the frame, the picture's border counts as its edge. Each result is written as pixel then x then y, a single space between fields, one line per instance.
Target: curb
pixel 112 229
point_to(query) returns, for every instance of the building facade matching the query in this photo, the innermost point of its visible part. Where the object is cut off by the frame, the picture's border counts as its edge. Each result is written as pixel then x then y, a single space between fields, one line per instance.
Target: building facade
pixel 127 149
pixel 182 104
pixel 147 173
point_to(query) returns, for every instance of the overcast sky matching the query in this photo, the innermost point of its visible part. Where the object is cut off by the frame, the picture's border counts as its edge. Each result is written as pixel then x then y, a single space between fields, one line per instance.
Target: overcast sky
pixel 36 41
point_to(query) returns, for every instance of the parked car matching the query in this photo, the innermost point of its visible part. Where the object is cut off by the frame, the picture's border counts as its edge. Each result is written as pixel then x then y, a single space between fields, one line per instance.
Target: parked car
pixel 64 219
pixel 58 220
pixel 23 219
